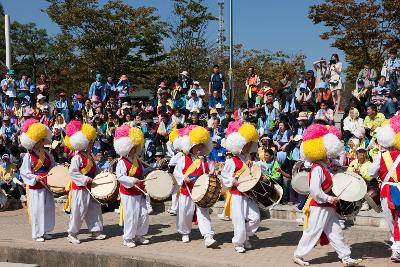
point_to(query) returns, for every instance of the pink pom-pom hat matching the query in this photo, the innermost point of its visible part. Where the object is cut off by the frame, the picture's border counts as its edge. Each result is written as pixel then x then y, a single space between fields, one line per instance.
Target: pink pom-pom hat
pixel 73 127
pixel 315 131
pixel 122 131
pixel 28 123
pixel 233 127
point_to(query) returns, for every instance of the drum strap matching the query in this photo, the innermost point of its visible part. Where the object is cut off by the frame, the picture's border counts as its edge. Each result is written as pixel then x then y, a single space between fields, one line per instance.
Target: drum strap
pixel 89 164
pixel 134 167
pixel 387 158
pixel 193 166
pixel 240 171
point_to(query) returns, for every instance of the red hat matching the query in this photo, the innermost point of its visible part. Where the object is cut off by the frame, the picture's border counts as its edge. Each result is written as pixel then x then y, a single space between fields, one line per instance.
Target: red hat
pixel 79 97
pixel 62 94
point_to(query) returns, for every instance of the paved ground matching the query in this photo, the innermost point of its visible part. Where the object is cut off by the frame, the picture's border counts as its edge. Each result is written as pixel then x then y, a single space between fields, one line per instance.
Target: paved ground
pixel 273 247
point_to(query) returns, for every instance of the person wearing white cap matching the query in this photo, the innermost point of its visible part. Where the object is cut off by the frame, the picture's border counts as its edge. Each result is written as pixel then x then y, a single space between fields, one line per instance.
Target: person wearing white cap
pixel 185 82
pixel 199 90
pixel 41 102
pixel 194 102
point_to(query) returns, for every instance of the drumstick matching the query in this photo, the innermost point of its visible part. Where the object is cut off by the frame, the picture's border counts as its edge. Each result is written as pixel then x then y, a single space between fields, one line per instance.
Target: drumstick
pixel 140 189
pixel 248 180
pixel 103 183
pixel 90 193
pixel 347 186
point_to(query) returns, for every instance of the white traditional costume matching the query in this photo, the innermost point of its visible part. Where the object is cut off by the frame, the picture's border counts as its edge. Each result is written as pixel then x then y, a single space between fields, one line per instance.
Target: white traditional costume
pixel 321 221
pixel 130 174
pixel 388 136
pixel 245 211
pixel 82 170
pixel 192 167
pixel 37 162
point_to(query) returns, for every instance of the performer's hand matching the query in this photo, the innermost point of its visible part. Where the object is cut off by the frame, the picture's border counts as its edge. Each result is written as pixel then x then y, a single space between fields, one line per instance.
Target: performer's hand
pixel 235 182
pixel 186 180
pixel 249 163
pixel 38 179
pixel 89 180
pixel 333 200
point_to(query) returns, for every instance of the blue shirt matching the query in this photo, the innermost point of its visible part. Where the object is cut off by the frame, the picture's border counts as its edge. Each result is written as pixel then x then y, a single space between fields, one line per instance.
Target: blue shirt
pixel 218 154
pixel 78 105
pixel 123 88
pixel 97 88
pixel 214 101
pixel 62 104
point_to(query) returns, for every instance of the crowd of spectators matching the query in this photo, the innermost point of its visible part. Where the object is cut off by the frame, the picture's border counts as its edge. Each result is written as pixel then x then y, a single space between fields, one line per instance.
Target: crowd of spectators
pixel 281 115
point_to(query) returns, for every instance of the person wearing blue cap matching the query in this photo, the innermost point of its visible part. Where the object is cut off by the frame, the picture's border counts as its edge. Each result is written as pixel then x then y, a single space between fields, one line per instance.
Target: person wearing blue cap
pixel 97 88
pixel 218 153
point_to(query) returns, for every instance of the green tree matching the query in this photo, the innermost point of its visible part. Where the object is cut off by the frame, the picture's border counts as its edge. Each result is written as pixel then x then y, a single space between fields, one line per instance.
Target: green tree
pixel 190 49
pixel 111 39
pixel 361 29
pixel 29 48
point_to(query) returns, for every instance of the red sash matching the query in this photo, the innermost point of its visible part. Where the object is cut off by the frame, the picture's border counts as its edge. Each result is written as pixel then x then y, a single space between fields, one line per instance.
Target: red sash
pixel 42 170
pixel 195 174
pixel 83 169
pixel 326 186
pixel 133 191
pixel 238 167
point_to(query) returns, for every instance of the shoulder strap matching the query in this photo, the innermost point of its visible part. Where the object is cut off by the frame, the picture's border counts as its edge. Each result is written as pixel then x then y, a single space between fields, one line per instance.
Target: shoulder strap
pixel 392 168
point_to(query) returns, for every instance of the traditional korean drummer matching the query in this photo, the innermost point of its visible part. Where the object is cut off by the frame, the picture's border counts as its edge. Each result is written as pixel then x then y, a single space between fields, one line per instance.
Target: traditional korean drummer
pixel 130 173
pixel 79 138
pixel 241 139
pixel 35 166
pixel 195 143
pixel 321 221
pixel 386 167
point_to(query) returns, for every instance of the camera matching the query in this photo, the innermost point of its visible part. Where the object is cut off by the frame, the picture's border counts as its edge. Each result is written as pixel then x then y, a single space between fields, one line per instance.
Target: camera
pixel 332 62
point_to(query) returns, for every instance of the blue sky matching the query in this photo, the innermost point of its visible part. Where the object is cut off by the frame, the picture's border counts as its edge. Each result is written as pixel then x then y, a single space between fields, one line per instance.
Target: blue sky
pixel 277 25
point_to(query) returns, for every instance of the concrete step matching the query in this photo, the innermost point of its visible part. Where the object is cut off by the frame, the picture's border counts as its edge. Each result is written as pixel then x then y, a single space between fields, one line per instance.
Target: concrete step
pixel 10 264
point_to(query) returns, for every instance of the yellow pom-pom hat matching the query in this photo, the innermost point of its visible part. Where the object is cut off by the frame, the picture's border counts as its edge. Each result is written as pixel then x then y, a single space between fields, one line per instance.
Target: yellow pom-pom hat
pixel 321 142
pixel 388 135
pixel 79 135
pixel 238 135
pixel 32 132
pixel 191 136
pixel 175 139
pixel 127 137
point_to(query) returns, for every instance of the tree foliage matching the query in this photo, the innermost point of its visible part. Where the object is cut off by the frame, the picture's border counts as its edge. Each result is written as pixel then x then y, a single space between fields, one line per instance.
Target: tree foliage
pixel 111 39
pixel 189 47
pixel 362 29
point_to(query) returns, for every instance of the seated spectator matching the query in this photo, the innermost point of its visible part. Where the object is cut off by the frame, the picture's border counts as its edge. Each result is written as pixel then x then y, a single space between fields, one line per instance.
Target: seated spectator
pixel 125 109
pixel 164 107
pixel 361 93
pixel 384 99
pixel 194 102
pixel 9 182
pixel 216 129
pixel 352 123
pixel 265 124
pixel 281 138
pixel 215 100
pixel 185 82
pixel 220 110
pixel 284 84
pixel 101 162
pixel 213 116
pixel 45 117
pixel 78 103
pixel 325 113
pixel 112 104
pixel 266 143
pixel 60 123
pixel 164 128
pixel 218 153
pixel 199 90
pixel 324 94
pixel 270 168
pixel 194 119
pixel 289 107
pixel 303 93
pixel 263 92
pixel 373 120
pixel 8 131
pixel 178 118
pixel 96 102
pixel 226 120
pixel 17 110
pixel 272 113
pixel 302 124
pixel 180 102
pixel 7 104
pixel 62 106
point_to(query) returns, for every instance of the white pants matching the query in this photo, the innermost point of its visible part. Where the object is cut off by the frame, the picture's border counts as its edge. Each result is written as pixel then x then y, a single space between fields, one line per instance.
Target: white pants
pixel 136 219
pixel 245 217
pixel 389 220
pixel 84 208
pixel 42 212
pixel 323 219
pixel 186 208
pixel 174 201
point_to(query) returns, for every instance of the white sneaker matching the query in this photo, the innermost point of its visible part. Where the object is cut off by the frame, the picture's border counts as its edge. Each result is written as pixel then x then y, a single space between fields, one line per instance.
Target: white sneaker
pixel 47 236
pixel 185 238
pixel 142 240
pixel 240 249
pixel 223 217
pixel 23 198
pixel 98 236
pixel 247 244
pixel 39 239
pixel 73 239
pixel 210 242
pixel 300 261
pixel 365 206
pixel 342 225
pixel 171 212
pixel 395 256
pixel 116 211
pixel 351 262
pixel 129 243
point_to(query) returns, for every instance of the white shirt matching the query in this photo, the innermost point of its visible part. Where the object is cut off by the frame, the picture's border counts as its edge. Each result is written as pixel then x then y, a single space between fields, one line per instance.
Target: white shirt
pixel 317 178
pixel 26 169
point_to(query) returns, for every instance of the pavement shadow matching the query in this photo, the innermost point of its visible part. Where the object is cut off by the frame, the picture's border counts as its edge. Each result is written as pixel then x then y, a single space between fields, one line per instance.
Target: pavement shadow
pixel 364 250
pixel 285 239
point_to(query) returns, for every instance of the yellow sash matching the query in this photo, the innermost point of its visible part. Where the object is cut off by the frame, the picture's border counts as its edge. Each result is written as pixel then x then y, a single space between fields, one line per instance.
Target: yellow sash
pixel 193 166
pixel 131 172
pixel 228 196
pixel 387 158
pixel 68 187
pixel 248 91
pixel 306 209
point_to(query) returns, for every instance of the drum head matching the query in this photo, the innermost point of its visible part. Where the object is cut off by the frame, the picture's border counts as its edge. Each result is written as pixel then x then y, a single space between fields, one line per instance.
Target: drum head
pixel 57 179
pixel 104 185
pixel 300 183
pixel 159 184
pixel 349 186
pixel 200 187
pixel 249 178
